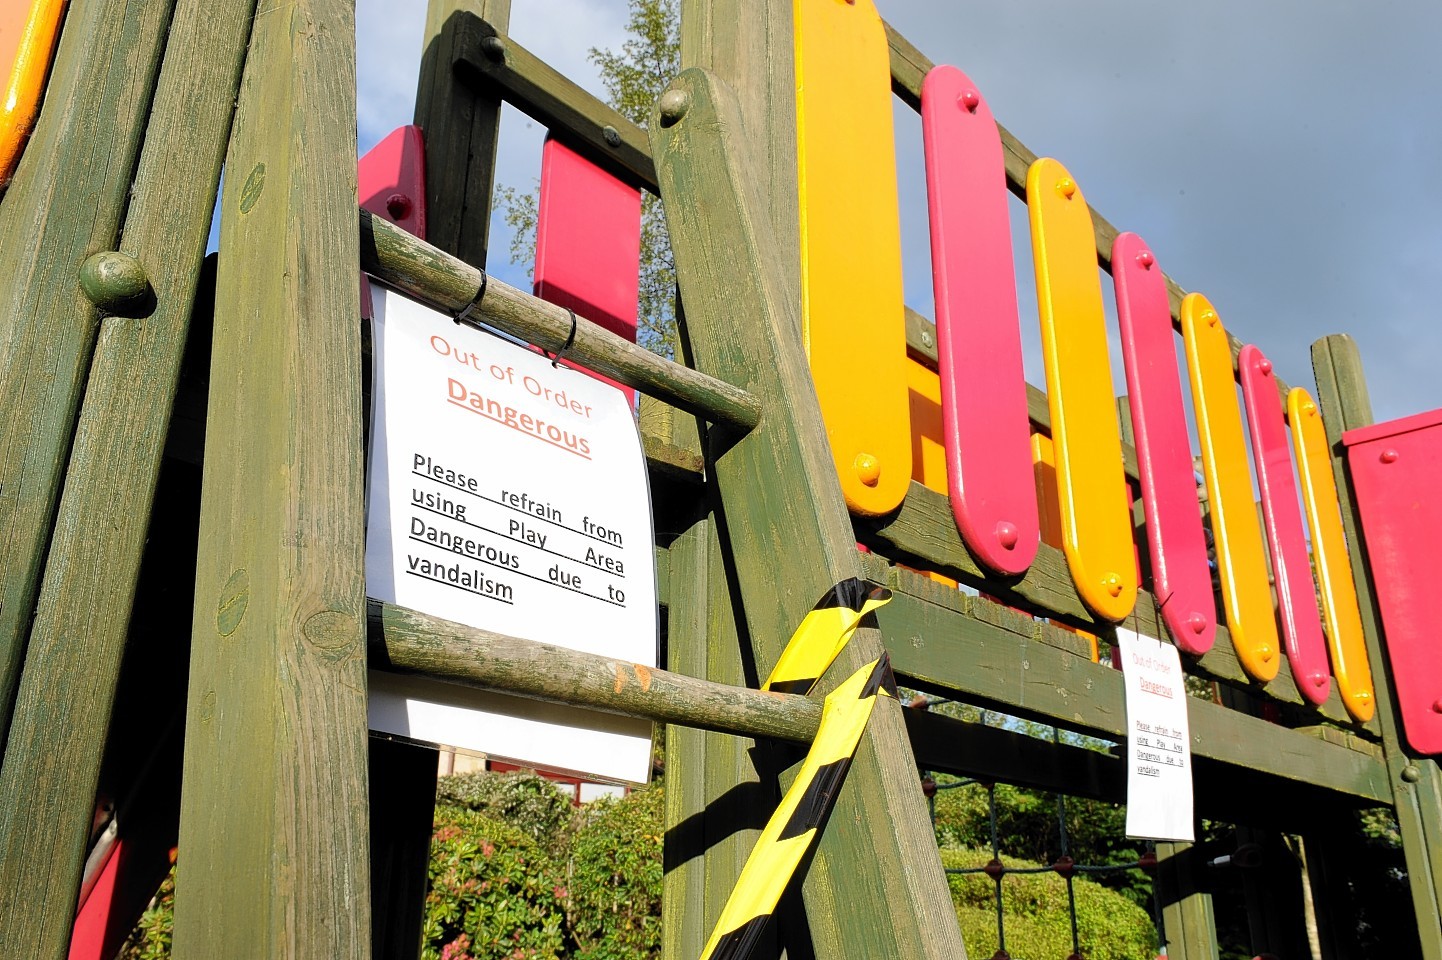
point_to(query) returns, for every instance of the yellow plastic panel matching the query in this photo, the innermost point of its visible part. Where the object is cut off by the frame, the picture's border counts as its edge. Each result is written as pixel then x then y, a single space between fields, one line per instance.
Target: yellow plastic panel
pixel 851 298
pixel 1241 557
pixel 928 452
pixel 1345 642
pixel 1096 525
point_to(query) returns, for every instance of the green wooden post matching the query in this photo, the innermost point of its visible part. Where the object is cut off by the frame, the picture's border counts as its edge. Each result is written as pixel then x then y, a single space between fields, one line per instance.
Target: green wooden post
pixel 1187 917
pixel 875 887
pixel 64 204
pixel 1416 784
pixel 273 836
pixel 62 711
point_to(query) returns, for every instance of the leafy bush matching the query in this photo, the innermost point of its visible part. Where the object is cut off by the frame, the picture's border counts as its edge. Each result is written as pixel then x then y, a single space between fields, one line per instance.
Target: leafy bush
pixel 615 880
pixel 495 893
pixel 525 801
pixel 1037 914
pixel 150 940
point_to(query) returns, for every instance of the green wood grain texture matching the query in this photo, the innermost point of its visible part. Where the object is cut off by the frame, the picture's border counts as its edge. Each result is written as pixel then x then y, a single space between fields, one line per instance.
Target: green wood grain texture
pixel 945 650
pixel 450 285
pixel 461 125
pixel 274 805
pixel 63 703
pixel 1345 405
pixel 500 66
pixel 870 891
pixel 924 529
pixel 1187 918
pixel 65 203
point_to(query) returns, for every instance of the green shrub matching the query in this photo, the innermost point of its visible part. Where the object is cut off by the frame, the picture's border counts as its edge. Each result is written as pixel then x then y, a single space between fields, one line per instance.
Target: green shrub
pixel 615 879
pixel 495 893
pixel 1037 914
pixel 150 940
pixel 525 801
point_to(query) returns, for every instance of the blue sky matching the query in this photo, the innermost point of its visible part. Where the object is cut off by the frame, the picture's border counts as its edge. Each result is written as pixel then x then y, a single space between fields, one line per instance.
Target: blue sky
pixel 1285 158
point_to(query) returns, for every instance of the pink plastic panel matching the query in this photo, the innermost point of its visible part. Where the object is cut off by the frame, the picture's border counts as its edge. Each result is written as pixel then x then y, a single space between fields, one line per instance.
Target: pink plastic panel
pixel 1394 469
pixel 392 180
pixel 1182 581
pixel 588 242
pixel 1282 516
pixel 983 388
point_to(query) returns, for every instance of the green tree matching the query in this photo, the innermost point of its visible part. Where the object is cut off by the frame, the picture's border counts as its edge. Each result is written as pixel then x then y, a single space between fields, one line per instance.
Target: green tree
pixel 634 77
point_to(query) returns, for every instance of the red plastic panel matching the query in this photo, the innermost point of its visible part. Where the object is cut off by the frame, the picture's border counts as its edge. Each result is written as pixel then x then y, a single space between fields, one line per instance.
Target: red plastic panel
pixel 1181 579
pixel 588 242
pixel 1282 516
pixel 392 180
pixel 1394 469
pixel 978 335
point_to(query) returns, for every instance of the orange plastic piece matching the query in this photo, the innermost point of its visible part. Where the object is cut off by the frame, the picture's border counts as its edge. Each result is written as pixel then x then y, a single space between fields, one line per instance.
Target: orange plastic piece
pixel 27 42
pixel 1345 641
pixel 853 318
pixel 1241 557
pixel 1096 526
pixel 1043 464
pixel 928 454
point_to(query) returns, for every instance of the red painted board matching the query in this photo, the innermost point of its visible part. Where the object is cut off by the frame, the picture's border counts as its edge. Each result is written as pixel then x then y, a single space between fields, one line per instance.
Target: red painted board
pixel 588 242
pixel 1394 468
pixel 983 387
pixel 391 180
pixel 1282 518
pixel 1181 578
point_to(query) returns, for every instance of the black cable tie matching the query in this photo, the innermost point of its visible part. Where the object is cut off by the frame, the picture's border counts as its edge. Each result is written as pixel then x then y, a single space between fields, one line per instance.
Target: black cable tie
pixel 570 341
pixel 465 315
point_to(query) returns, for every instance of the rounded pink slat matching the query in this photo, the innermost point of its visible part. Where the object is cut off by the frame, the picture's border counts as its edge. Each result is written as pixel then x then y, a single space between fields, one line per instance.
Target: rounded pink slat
pixel 1181 579
pixel 1282 517
pixel 978 334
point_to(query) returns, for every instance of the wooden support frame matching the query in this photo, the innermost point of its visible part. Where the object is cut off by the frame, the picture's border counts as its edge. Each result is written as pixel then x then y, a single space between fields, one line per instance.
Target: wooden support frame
pixel 274 811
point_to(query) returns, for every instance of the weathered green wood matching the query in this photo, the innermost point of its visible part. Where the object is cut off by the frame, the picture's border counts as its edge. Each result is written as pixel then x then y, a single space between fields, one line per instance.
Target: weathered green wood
pixel 448 284
pixel 274 806
pixel 63 704
pixel 65 203
pixel 944 650
pixel 406 641
pixel 1415 782
pixel 924 529
pixel 501 66
pixel 462 125
pixel 1187 917
pixel 869 891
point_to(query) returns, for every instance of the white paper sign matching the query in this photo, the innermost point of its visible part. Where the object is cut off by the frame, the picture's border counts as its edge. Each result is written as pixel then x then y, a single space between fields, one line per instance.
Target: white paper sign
pixel 509 494
pixel 1159 753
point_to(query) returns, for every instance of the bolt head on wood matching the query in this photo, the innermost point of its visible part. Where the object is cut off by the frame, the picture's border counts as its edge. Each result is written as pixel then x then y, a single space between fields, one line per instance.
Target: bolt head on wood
pixel 494 48
pixel 115 282
pixel 1411 773
pixel 611 135
pixel 674 104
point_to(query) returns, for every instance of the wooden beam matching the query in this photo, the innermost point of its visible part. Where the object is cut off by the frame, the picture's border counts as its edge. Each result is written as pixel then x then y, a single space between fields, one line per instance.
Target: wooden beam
pixel 785 522
pixel 1415 781
pixel 65 203
pixel 274 810
pixel 63 705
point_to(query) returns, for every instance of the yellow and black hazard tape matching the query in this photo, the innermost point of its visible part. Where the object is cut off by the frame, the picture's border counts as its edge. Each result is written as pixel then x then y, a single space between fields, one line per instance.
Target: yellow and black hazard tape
pixel 822 635
pixel 791 829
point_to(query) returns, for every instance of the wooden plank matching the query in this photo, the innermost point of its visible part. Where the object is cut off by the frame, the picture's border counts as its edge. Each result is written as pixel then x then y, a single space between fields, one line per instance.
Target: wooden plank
pixel 450 285
pixel 1345 639
pixel 1286 539
pixel 1416 784
pixel 1096 524
pixel 1187 918
pixel 943 650
pixel 63 702
pixel 978 333
pixel 1181 579
pixel 850 230
pixel 1241 561
pixel 65 203
pixel 277 860
pixel 784 511
pixel 461 127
